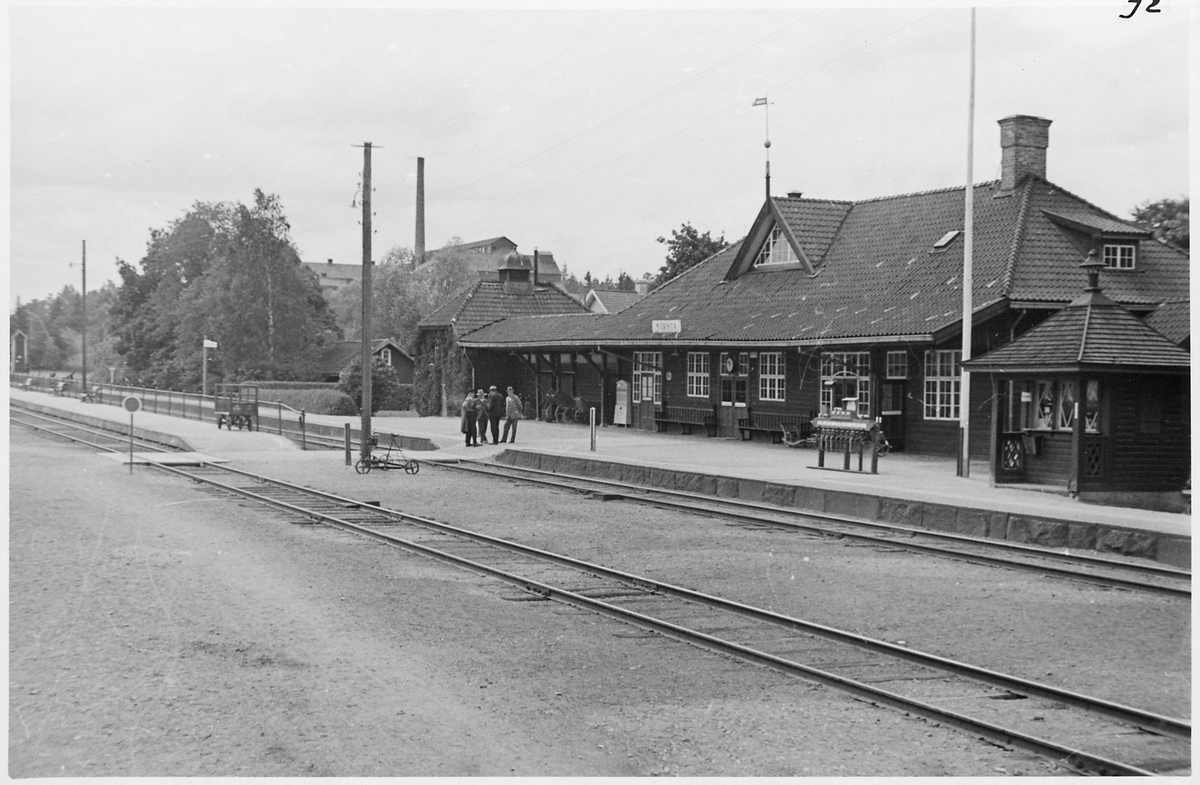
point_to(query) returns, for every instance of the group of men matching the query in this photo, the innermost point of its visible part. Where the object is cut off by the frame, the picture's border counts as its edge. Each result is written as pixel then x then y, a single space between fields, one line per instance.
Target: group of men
pixel 480 410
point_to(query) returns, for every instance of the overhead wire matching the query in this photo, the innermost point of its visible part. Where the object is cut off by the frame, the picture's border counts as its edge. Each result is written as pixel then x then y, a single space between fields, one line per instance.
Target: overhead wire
pixel 624 113
pixel 774 88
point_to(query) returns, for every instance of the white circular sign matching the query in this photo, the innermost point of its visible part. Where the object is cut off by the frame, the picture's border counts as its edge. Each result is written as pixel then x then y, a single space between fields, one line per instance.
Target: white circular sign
pixel 131 404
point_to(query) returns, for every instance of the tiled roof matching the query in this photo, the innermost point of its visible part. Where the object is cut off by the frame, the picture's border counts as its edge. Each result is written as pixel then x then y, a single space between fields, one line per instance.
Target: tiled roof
pixel 486 302
pixel 878 275
pixel 614 300
pixel 1047 272
pixel 1173 319
pixel 819 219
pixel 1092 332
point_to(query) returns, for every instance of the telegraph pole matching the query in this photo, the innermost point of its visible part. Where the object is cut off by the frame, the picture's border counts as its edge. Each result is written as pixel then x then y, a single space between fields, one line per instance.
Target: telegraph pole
pixel 84 345
pixel 964 396
pixel 365 440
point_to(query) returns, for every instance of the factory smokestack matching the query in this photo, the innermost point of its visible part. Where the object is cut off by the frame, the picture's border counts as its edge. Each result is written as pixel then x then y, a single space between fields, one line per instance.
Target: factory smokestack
pixel 419 245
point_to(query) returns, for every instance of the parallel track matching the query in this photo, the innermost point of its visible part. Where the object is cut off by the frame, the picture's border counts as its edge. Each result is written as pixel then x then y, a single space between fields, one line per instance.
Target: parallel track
pixel 1112 572
pixel 1082 733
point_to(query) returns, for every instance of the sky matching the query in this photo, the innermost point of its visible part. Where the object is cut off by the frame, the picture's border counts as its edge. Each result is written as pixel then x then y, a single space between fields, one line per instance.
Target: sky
pixel 588 132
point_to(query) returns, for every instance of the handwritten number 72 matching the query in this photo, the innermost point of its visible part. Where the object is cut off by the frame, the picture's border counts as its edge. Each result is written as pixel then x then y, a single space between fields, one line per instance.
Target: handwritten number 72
pixel 1150 9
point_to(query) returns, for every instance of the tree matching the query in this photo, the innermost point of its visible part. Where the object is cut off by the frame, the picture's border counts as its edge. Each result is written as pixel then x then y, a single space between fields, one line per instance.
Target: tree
pixel 226 272
pixel 686 249
pixel 1167 218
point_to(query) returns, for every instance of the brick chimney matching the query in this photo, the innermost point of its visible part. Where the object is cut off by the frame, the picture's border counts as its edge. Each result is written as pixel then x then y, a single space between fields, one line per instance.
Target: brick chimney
pixel 642 287
pixel 1023 143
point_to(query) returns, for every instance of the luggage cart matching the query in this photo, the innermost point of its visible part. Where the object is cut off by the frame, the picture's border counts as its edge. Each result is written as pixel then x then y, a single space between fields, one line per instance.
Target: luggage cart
pixel 392 458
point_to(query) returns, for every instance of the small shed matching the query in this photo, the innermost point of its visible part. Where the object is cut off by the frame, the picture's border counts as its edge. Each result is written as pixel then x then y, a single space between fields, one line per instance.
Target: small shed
pixel 338 356
pixel 1093 402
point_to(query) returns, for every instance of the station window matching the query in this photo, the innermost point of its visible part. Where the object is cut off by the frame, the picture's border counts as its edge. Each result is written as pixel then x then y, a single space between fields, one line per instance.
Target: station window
pixel 845 377
pixel 771 376
pixel 1120 256
pixel 943 384
pixel 897 365
pixel 698 378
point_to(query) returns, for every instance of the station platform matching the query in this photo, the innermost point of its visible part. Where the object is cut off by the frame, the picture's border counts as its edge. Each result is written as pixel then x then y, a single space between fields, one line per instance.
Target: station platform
pixel 920 491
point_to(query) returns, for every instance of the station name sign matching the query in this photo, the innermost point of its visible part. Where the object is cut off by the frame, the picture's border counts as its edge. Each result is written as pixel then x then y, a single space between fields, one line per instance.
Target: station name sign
pixel 659 326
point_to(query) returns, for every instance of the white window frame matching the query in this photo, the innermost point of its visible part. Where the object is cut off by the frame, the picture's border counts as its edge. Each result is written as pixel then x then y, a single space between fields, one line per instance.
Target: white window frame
pixel 776 250
pixel 385 354
pixel 772 377
pixel 1120 256
pixel 897 365
pixel 699 376
pixel 840 365
pixel 943 384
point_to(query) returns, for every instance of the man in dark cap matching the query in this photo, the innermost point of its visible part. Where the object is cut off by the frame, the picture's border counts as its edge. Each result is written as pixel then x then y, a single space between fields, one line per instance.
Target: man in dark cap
pixel 495 410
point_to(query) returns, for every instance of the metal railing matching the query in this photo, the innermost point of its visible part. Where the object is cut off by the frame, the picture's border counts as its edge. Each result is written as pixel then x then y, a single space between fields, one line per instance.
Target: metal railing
pixel 284 420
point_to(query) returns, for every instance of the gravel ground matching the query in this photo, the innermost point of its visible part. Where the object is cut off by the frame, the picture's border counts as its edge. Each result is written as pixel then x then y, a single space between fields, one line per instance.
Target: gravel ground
pixel 158 630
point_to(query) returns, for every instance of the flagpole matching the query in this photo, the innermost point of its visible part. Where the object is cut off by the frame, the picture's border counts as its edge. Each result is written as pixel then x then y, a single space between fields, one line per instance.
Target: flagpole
pixel 964 399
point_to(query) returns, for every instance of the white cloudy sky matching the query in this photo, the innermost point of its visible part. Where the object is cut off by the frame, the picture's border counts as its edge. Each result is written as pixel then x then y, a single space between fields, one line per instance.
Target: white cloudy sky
pixel 588 132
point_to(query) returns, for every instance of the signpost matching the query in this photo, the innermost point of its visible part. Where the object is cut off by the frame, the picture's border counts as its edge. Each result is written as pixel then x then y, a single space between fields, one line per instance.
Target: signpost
pixel 131 404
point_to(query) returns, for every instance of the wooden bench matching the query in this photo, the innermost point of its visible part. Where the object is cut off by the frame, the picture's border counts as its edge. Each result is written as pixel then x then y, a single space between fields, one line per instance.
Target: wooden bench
pixel 687 418
pixel 776 424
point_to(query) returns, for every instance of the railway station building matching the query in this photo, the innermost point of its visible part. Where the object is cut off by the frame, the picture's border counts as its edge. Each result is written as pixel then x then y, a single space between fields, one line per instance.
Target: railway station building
pixel 830 304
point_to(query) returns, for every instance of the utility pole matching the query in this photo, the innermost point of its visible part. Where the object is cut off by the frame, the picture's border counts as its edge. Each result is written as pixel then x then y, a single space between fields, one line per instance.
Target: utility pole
pixel 365 439
pixel 964 395
pixel 84 345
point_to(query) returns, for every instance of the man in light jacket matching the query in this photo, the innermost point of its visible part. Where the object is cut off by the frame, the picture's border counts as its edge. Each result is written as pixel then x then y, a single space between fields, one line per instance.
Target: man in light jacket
pixel 512 413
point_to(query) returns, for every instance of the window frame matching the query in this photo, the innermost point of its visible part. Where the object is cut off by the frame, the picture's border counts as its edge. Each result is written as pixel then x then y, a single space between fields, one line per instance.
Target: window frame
pixel 699 375
pixel 772 386
pixel 1117 259
pixel 860 363
pixel 943 385
pixel 766 254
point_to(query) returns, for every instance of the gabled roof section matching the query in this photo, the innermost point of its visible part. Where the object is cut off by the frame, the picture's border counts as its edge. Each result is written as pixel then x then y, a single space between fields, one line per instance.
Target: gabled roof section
pixel 809 225
pixel 486 302
pixel 1050 249
pixel 1173 319
pixel 1092 333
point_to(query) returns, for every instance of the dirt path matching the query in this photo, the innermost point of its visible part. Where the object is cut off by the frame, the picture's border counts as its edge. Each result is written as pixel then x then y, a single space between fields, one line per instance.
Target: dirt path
pixel 158 630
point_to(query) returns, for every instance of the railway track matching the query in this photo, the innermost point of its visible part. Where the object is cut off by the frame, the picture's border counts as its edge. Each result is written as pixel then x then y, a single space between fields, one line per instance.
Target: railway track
pixel 1080 732
pixel 1087 567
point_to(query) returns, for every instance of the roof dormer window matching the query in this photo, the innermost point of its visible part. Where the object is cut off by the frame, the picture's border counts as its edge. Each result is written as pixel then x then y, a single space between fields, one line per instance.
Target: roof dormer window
pixel 776 251
pixel 1120 256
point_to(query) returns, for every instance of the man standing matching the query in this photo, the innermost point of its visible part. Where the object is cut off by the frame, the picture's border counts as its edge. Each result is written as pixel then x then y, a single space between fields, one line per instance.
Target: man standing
pixel 512 413
pixel 481 416
pixel 495 410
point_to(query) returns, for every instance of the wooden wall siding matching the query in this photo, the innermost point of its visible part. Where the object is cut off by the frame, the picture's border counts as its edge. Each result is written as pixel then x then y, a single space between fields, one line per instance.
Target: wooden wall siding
pixel 1053 466
pixel 1153 461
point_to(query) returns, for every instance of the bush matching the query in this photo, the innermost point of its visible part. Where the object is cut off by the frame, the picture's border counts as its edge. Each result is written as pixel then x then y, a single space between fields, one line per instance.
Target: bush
pixel 386 390
pixel 321 401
